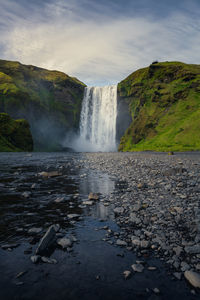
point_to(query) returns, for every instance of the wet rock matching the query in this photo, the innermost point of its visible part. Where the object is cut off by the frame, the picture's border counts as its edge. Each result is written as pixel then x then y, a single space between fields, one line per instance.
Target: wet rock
pixel 156 291
pixel 73 216
pixel 50 174
pixel 193 249
pixel 138 268
pixel 26 194
pixel 177 275
pixel 193 278
pixel 59 199
pixel 121 243
pixel 9 246
pixel 20 274
pixel 88 202
pixel 48 239
pixel 48 260
pixel 127 274
pixel 64 242
pixel 93 196
pixel 35 259
pixel 118 210
pixel 35 230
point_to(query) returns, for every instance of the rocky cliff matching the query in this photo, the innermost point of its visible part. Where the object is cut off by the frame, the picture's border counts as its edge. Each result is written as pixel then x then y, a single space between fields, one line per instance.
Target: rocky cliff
pixel 15 135
pixel 164 103
pixel 49 100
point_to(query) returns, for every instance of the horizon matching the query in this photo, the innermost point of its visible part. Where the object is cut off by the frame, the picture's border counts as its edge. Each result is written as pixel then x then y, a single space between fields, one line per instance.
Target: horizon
pixel 99 43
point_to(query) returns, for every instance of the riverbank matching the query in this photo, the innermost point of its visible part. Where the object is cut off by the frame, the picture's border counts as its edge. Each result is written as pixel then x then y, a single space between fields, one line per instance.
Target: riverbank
pixel 158 211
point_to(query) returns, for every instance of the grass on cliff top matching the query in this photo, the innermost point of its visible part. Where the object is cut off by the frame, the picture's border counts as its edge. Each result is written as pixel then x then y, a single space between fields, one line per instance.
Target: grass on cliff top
pixel 164 101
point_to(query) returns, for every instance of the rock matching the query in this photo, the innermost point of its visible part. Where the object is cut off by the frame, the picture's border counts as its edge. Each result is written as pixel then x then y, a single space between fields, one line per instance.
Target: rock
pixel 9 246
pixel 144 244
pixel 59 199
pixel 35 230
pixel 35 258
pixel 20 274
pixel 88 202
pixel 178 250
pixel 73 216
pixel 156 291
pixel 121 243
pixel 136 242
pixel 184 266
pixel 93 196
pixel 152 268
pixel 50 174
pixel 133 218
pixel 26 194
pixel 193 249
pixel 193 278
pixel 127 274
pixel 118 210
pixel 47 240
pixel 64 242
pixel 48 260
pixel 138 268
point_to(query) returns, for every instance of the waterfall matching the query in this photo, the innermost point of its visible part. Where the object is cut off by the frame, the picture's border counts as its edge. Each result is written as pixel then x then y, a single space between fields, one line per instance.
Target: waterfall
pixel 98 119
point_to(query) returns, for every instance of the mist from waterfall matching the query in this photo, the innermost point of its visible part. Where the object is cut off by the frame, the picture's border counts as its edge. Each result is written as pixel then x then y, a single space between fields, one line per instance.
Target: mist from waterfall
pixel 98 119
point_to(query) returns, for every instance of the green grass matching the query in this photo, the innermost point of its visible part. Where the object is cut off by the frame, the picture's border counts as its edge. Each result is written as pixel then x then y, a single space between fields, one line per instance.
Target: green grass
pixel 164 102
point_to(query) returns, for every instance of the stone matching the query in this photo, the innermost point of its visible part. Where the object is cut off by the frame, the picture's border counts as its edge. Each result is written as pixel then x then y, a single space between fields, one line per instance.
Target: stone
pixel 118 210
pixel 48 260
pixel 156 291
pixel 138 268
pixel 193 249
pixel 47 240
pixel 59 199
pixel 144 244
pixel 93 196
pixel 50 174
pixel 89 202
pixel 35 258
pixel 177 275
pixel 64 242
pixel 73 216
pixel 193 278
pixel 26 194
pixel 35 230
pixel 121 243
pixel 127 274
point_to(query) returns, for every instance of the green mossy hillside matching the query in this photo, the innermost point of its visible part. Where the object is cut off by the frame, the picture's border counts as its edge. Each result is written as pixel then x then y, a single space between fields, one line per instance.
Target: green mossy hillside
pixel 164 102
pixel 49 100
pixel 15 135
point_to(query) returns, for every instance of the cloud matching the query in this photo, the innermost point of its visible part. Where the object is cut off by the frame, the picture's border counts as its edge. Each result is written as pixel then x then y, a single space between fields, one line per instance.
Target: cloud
pixel 94 42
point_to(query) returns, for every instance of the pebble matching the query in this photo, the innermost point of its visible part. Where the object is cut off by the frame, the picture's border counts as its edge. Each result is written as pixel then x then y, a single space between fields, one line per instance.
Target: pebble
pixel 193 278
pixel 127 274
pixel 138 268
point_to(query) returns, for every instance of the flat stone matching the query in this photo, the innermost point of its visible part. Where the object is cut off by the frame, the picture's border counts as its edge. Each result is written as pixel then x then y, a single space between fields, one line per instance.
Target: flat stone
pixel 121 243
pixel 35 230
pixel 50 174
pixel 88 202
pixel 118 210
pixel 93 196
pixel 138 268
pixel 48 260
pixel 73 216
pixel 64 242
pixel 35 258
pixel 193 249
pixel 193 278
pixel 127 274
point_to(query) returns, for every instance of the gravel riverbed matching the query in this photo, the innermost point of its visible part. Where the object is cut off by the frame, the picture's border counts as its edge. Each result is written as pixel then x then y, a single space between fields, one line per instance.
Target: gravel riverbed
pixel 159 209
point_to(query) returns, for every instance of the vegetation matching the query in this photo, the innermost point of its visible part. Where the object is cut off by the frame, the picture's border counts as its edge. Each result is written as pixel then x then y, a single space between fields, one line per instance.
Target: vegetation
pixel 15 135
pixel 49 100
pixel 164 102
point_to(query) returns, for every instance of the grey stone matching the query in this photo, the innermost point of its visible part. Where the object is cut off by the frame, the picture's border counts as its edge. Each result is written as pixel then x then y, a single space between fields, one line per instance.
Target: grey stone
pixel 193 278
pixel 47 240
pixel 121 243
pixel 138 268
pixel 35 258
pixel 64 242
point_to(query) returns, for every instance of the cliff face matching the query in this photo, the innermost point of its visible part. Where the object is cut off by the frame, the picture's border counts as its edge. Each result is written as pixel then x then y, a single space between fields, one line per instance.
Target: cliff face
pixel 15 135
pixel 49 100
pixel 164 103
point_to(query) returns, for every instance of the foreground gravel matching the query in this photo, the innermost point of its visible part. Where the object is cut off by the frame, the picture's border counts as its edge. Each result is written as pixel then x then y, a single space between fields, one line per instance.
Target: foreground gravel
pixel 159 209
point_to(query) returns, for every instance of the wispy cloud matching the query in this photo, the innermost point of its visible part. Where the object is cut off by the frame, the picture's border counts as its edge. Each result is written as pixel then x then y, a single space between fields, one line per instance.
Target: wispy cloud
pixel 92 41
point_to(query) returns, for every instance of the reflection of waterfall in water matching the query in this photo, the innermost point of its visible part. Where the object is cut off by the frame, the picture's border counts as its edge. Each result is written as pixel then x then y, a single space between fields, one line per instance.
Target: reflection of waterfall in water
pixel 98 119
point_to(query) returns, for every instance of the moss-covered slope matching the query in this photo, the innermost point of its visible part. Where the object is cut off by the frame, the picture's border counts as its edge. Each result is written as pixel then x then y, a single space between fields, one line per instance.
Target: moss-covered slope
pixel 164 102
pixel 15 135
pixel 49 100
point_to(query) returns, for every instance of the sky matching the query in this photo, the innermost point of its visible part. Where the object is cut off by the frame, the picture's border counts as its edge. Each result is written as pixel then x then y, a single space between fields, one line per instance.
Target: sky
pixel 99 41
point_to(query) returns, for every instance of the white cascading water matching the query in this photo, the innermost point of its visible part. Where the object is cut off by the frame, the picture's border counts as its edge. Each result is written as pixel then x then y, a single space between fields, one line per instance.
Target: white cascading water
pixel 98 119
